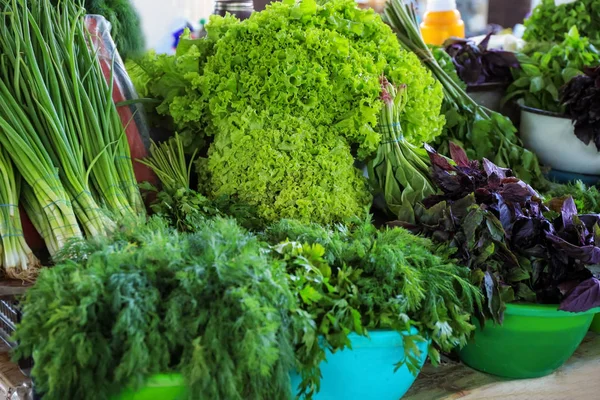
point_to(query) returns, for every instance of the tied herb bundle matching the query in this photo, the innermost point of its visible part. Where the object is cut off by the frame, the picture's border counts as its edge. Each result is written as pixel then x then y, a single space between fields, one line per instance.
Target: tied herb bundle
pixel 17 259
pixel 483 133
pixel 59 123
pixel 399 171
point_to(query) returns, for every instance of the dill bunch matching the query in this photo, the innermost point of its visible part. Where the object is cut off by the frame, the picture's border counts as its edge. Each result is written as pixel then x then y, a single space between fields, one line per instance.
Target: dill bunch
pixel 211 305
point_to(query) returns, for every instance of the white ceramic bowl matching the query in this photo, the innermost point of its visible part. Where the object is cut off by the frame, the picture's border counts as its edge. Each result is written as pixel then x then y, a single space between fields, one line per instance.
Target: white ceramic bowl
pixel 552 137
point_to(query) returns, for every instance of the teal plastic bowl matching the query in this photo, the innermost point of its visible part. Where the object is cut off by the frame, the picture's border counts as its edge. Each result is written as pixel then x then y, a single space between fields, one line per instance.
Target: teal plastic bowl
pixel 367 370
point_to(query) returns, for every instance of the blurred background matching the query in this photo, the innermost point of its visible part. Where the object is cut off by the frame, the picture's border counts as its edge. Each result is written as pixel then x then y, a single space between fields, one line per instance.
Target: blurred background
pixel 161 18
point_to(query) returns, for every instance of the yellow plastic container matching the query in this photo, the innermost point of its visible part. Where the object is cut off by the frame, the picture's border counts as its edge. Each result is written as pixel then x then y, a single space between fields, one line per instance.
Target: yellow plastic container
pixel 441 21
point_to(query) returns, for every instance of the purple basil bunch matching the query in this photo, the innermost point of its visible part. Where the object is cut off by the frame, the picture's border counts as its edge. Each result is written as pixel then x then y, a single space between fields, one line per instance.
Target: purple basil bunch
pixel 581 98
pixel 476 64
pixel 501 229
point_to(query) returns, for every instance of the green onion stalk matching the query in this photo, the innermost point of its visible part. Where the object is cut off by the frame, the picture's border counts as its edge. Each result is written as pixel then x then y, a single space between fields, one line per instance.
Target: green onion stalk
pixel 19 138
pixel 482 132
pixel 101 132
pixel 400 171
pixel 170 165
pixel 34 73
pixel 18 260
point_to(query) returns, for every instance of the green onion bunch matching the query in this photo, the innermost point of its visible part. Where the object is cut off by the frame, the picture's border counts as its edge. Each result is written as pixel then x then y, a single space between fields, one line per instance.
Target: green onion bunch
pixel 59 124
pixel 17 259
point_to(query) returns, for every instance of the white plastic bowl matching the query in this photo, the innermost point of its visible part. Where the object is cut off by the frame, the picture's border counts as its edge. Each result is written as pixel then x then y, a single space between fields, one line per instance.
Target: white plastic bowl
pixel 552 137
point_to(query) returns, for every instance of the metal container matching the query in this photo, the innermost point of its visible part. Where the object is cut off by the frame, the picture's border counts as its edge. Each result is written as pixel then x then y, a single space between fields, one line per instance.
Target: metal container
pixel 242 9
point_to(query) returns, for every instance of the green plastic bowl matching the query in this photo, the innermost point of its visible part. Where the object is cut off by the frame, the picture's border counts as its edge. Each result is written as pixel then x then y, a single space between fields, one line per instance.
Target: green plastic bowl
pixel 158 387
pixel 595 327
pixel 533 341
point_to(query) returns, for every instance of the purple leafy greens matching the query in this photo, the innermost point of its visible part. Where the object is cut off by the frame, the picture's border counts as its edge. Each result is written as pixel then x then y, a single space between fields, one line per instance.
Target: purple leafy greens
pixel 499 228
pixel 581 98
pixel 476 64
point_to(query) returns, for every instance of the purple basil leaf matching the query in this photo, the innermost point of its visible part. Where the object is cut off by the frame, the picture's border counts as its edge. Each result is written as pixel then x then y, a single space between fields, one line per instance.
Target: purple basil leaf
pixel 515 193
pixel 491 168
pixel 459 156
pixel 492 292
pixel 584 297
pixel 483 45
pixel 585 254
pixel 438 160
pixel 568 211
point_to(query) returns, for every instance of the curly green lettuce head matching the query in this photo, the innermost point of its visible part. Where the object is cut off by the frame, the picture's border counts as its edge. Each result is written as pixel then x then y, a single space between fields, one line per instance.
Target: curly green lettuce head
pixel 289 169
pixel 292 93
pixel 323 62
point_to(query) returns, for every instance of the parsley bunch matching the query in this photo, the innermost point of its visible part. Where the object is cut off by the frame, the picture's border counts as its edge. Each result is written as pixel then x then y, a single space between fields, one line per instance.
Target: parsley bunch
pixel 359 278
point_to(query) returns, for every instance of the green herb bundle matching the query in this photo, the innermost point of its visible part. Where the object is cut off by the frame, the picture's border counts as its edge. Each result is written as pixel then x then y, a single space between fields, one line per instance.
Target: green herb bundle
pixel 59 123
pixel 546 70
pixel 211 305
pixel 481 132
pixel 358 278
pixel 399 171
pixel 550 23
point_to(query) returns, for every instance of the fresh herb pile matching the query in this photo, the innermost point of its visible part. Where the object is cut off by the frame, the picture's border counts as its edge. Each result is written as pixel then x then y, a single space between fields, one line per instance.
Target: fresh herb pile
pixel 285 140
pixel 497 225
pixel 581 99
pixel 231 313
pixel 476 64
pixel 549 23
pixel 483 133
pixel 545 71
pixel 355 278
pixel 211 305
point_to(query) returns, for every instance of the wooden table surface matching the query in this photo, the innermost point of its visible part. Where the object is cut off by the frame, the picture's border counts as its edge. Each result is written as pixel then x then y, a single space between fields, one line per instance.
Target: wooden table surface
pixel 578 379
pixel 13 287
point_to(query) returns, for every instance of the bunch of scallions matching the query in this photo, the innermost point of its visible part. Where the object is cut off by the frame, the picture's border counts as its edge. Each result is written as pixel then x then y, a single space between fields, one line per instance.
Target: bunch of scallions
pixel 59 125
pixel 17 259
